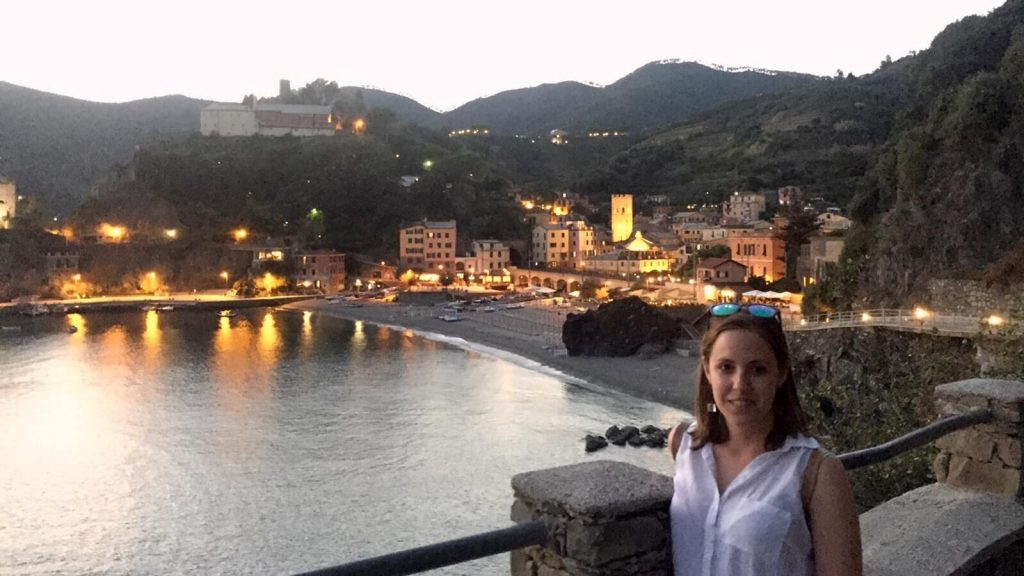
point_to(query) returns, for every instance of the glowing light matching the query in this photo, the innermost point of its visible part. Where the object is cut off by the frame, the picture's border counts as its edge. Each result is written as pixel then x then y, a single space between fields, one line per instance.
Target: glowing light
pixel 240 234
pixel 920 313
pixel 865 317
pixel 114 232
pixel 171 233
pixel 428 164
pixel 995 320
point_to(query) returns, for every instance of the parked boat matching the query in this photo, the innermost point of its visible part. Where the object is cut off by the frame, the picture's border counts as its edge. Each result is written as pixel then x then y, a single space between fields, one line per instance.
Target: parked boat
pixel 148 307
pixel 165 308
pixel 72 329
pixel 10 328
pixel 226 313
pixel 450 317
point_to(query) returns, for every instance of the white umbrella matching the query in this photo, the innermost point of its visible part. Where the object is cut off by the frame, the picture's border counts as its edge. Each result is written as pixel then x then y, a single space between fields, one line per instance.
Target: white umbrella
pixel 771 294
pixel 544 290
pixel 753 294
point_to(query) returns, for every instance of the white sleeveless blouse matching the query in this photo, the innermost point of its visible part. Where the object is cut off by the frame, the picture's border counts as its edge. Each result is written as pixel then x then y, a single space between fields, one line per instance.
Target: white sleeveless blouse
pixel 756 527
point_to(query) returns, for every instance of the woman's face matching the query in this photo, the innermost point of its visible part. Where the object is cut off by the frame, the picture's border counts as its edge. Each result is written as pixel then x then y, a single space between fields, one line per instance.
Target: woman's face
pixel 744 377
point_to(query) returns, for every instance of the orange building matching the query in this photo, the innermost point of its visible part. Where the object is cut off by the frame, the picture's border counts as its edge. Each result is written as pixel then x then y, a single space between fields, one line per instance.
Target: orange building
pixel 762 255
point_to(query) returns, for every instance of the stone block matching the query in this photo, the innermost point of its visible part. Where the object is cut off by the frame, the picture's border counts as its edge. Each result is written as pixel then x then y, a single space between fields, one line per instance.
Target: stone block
pixel 1009 452
pixel 599 544
pixel 940 466
pixel 1007 411
pixel 520 563
pixel 971 443
pixel 522 512
pixel 983 476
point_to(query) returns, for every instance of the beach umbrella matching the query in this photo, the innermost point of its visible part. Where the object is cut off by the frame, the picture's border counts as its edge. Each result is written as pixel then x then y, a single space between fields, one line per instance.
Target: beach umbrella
pixel 753 294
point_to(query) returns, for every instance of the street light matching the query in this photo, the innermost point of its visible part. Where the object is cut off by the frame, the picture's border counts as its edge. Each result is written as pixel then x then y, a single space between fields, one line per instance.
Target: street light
pixel 240 234
pixel 224 275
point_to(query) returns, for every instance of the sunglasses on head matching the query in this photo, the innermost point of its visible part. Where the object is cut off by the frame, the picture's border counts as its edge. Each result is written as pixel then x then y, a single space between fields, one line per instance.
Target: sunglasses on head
pixel 758 310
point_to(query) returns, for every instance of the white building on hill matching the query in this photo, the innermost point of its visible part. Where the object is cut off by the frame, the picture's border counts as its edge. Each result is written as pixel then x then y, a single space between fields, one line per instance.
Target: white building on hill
pixel 267 119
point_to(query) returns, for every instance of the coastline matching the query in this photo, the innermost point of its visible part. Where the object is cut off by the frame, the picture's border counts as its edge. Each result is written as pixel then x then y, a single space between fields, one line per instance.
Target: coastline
pixel 533 333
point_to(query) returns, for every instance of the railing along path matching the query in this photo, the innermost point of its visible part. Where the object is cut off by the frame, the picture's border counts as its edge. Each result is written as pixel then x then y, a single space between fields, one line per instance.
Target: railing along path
pixel 911 320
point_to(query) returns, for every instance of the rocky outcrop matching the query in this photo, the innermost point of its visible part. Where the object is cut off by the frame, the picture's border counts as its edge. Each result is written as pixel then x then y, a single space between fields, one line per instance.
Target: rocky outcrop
pixel 620 328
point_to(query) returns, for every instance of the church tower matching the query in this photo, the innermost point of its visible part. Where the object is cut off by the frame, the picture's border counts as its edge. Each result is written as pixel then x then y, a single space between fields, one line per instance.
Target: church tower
pixel 622 217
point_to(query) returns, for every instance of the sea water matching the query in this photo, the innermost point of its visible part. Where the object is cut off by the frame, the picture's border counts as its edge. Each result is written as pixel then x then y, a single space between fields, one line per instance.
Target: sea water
pixel 271 442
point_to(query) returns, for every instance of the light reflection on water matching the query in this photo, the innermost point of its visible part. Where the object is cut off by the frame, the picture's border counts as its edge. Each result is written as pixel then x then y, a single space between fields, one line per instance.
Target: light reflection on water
pixel 268 442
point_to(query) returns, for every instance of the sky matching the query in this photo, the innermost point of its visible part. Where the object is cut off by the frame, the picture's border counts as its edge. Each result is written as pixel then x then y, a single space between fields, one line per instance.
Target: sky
pixel 442 53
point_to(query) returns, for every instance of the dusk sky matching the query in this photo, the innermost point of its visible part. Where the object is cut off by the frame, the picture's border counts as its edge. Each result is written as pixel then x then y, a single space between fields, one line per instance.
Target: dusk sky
pixel 442 53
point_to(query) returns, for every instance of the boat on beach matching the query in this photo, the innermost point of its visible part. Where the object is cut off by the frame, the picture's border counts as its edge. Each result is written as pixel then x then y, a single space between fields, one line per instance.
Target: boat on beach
pixel 450 317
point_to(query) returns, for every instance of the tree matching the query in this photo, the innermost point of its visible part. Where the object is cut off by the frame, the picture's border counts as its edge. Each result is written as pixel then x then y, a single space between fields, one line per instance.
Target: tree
pixel 800 226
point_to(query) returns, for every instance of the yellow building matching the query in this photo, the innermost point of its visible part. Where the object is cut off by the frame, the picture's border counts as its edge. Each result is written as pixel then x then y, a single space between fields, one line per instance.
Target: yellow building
pixel 428 245
pixel 8 202
pixel 622 217
pixel 563 245
pixel 639 256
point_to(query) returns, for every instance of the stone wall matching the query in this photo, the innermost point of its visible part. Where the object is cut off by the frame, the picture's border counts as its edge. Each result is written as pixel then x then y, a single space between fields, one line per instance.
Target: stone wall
pixel 972 298
pixel 603 518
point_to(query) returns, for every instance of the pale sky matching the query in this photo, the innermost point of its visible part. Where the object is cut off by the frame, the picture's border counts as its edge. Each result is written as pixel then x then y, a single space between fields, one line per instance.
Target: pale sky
pixel 442 53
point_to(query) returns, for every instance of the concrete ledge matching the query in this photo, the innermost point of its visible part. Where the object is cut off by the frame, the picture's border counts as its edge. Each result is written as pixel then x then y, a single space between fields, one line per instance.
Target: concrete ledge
pixel 603 488
pixel 1010 391
pixel 939 530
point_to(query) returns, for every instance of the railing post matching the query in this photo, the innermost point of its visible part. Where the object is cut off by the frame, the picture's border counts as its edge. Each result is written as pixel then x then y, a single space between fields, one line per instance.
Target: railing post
pixel 984 457
pixel 604 519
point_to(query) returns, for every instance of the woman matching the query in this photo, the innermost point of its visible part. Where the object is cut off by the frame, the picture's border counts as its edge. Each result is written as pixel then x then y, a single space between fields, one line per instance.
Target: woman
pixel 753 493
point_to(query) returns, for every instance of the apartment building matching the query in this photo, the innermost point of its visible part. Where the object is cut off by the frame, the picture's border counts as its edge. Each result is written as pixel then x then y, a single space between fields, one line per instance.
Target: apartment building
pixel 563 245
pixel 762 255
pixel 745 206
pixel 428 245
pixel 321 269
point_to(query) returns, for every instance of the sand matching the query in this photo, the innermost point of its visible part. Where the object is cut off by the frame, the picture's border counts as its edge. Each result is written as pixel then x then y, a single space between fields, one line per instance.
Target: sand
pixel 533 332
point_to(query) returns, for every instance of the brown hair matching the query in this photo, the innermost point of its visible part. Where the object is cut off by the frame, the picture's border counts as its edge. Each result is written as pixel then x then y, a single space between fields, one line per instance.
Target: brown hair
pixel 788 418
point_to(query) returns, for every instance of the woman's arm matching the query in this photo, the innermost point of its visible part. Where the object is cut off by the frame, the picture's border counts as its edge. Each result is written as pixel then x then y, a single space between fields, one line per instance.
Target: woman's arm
pixel 835 528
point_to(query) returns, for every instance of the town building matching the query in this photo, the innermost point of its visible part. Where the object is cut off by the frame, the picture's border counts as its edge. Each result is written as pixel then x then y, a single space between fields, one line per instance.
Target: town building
pixel 819 258
pixel 428 245
pixel 832 222
pixel 622 217
pixel 61 266
pixel 762 254
pixel 638 256
pixel 267 119
pixel 320 269
pixel 8 202
pixel 720 271
pixel 563 245
pixel 745 206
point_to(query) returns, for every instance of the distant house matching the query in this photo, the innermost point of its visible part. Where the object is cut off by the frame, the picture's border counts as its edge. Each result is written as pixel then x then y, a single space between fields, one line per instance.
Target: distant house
pixel 721 271
pixel 267 119
pixel 762 254
pixel 745 206
pixel 563 245
pixel 832 222
pixel 322 269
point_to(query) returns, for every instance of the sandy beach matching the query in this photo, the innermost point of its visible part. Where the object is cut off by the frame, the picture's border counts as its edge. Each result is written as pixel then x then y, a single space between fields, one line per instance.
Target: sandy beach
pixel 533 332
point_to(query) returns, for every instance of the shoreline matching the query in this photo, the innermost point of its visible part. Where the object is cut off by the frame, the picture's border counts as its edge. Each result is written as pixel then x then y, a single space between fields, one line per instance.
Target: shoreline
pixel 533 333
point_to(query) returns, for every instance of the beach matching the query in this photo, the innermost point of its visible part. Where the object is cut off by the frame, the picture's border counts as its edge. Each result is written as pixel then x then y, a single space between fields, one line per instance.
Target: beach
pixel 532 332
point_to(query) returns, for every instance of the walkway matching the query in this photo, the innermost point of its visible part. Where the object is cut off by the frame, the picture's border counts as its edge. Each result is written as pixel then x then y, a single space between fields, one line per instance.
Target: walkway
pixel 916 320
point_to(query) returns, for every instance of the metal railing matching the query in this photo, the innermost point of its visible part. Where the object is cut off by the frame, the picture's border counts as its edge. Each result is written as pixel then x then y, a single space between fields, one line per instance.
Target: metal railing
pixel 535 533
pixel 917 320
pixel 443 553
pixel 915 439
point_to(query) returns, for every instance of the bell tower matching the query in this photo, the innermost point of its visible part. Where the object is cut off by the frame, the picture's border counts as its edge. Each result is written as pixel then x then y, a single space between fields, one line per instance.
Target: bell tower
pixel 622 217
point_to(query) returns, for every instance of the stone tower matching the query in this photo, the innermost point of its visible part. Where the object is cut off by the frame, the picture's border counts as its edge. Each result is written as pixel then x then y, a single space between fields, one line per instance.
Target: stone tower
pixel 8 202
pixel 622 217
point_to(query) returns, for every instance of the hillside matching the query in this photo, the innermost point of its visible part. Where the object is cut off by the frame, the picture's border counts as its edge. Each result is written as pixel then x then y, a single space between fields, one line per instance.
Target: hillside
pixel 655 95
pixel 822 137
pixel 55 146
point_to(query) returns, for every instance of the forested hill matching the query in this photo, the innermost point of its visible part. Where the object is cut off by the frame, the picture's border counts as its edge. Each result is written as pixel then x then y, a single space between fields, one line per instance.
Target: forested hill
pixel 55 146
pixel 947 193
pixel 653 96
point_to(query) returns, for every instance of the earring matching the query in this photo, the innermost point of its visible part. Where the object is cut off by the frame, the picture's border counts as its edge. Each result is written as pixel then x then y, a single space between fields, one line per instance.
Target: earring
pixel 712 408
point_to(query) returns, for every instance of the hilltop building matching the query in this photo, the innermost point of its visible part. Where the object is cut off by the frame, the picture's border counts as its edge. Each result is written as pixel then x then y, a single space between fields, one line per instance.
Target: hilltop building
pixel 622 217
pixel 267 119
pixel 428 245
pixel 8 202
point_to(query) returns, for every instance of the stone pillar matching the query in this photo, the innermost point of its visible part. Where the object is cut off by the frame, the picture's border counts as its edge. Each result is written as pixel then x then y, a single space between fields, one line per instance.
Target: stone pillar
pixel 985 457
pixel 603 518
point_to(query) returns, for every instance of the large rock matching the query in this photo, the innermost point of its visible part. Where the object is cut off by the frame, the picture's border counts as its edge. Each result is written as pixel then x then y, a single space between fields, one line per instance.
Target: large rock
pixel 619 328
